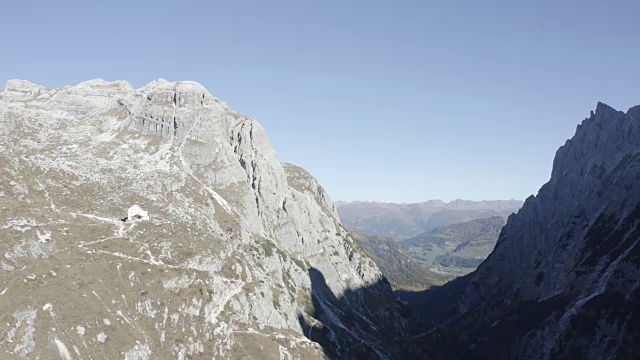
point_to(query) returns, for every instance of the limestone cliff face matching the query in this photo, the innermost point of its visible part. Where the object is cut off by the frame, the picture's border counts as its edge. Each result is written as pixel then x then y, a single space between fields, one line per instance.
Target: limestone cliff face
pixel 221 269
pixel 563 280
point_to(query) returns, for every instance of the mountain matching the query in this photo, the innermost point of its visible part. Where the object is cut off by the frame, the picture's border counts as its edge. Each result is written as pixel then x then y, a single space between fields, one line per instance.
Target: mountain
pixel 563 279
pixel 402 271
pixel 158 223
pixel 402 221
pixel 457 249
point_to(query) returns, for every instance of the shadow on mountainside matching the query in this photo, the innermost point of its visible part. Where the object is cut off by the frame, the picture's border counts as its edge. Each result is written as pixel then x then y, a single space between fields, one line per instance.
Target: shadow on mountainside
pixel 437 303
pixel 369 323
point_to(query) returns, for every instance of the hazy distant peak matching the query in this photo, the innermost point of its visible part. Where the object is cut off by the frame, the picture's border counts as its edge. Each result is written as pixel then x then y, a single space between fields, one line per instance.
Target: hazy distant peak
pixel 401 221
pixel 433 202
pixel 342 202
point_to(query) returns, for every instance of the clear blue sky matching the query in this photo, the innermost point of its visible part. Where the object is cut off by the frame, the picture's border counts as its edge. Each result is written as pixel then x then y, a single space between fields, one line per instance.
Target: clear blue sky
pixel 380 100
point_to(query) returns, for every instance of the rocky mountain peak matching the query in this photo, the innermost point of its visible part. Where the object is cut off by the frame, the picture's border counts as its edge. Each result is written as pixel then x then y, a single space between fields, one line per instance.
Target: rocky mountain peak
pixel 105 86
pixel 562 279
pixel 221 263
pixel 22 85
pixel 435 203
pixel 598 144
pixel 634 112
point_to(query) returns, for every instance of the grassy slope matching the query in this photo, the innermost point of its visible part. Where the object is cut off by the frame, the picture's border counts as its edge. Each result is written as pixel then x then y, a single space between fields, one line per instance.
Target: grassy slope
pixel 402 271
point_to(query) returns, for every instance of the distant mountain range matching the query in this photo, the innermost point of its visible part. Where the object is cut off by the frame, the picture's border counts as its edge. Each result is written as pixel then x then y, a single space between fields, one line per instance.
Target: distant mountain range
pixel 403 221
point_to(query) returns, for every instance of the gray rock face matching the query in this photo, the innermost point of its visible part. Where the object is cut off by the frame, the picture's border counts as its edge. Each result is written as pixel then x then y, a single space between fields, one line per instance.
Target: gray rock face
pixel 563 280
pixel 220 270
pixel 403 221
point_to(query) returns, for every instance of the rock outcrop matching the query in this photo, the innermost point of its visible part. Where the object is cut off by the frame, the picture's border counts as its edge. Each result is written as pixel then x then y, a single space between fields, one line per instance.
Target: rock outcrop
pixel 220 270
pixel 564 278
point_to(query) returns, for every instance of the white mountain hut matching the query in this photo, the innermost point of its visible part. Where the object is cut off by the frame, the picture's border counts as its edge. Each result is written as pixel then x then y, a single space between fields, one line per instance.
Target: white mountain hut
pixel 136 212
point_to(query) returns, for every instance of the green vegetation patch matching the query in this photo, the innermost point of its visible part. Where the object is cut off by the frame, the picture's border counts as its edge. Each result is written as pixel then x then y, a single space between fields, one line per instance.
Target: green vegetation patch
pixel 268 246
pixel 301 264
